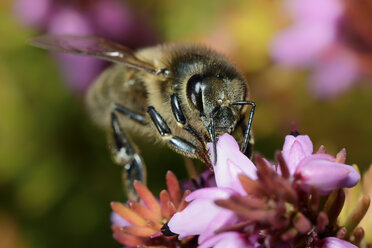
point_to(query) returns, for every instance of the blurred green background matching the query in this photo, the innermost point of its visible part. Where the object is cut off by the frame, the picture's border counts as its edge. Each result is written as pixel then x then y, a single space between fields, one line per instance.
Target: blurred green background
pixel 56 175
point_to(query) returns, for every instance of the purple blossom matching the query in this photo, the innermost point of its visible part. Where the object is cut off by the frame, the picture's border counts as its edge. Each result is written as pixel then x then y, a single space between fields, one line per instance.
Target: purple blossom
pixel 202 217
pixel 111 19
pixel 316 170
pixel 321 171
pixel 312 41
pixel 217 208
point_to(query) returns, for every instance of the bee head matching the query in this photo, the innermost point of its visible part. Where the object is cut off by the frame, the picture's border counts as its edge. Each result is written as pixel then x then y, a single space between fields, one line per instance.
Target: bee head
pixel 213 97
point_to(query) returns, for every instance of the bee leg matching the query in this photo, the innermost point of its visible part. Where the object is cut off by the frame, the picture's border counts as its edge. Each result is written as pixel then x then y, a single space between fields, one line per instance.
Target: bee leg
pixel 126 155
pixel 180 117
pixel 129 113
pixel 181 120
pixel 179 144
pixel 248 140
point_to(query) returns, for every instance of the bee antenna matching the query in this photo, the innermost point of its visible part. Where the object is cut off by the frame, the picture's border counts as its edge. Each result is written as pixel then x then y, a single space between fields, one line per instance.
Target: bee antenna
pixel 247 134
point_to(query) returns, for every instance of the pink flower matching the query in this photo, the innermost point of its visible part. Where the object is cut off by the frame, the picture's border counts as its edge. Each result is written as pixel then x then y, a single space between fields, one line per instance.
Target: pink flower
pixel 248 200
pixel 313 42
pixel 332 242
pixel 321 171
pixel 202 217
pixel 316 170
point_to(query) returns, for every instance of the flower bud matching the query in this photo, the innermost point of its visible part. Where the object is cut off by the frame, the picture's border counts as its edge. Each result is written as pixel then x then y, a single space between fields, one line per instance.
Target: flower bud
pixel 295 149
pixel 321 171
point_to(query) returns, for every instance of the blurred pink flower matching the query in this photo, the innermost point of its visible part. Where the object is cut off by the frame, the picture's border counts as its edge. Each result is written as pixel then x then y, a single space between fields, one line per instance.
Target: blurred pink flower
pixel 32 13
pixel 313 41
pixel 111 19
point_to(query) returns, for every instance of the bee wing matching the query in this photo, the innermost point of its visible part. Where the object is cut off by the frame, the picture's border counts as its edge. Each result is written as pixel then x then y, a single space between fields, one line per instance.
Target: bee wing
pixel 93 46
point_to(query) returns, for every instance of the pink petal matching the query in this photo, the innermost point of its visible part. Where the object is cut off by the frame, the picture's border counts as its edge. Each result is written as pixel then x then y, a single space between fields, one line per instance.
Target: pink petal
pixel 321 171
pixel 332 242
pixel 230 163
pixel 295 149
pixel 197 216
pixel 224 218
pixel 353 177
pixel 194 219
pixel 211 193
pixel 226 239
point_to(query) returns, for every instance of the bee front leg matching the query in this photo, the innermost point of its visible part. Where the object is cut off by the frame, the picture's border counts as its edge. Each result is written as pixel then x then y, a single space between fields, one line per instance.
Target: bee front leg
pixel 181 120
pixel 125 153
pixel 180 117
pixel 179 144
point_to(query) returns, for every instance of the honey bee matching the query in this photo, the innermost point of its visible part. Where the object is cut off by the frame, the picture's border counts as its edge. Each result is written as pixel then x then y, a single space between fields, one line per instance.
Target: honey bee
pixel 182 95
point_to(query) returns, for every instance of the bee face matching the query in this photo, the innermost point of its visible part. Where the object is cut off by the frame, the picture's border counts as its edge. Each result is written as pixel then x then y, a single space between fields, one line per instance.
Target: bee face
pixel 213 97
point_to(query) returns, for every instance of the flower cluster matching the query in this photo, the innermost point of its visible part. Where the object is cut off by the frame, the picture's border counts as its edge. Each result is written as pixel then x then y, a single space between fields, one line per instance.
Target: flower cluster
pixel 295 202
pixel 332 37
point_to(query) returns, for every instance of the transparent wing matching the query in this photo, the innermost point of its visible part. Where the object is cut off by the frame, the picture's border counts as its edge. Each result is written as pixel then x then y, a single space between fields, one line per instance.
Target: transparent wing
pixel 93 46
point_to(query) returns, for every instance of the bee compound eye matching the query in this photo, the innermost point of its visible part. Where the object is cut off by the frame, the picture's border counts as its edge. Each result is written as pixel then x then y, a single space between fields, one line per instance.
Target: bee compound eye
pixel 194 91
